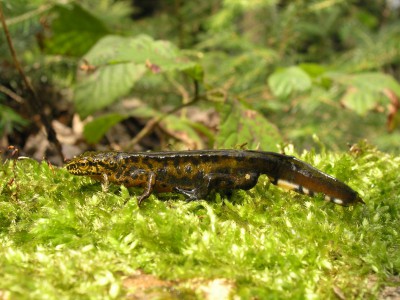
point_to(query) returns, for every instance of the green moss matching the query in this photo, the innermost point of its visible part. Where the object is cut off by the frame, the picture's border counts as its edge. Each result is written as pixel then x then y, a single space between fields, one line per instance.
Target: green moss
pixel 64 237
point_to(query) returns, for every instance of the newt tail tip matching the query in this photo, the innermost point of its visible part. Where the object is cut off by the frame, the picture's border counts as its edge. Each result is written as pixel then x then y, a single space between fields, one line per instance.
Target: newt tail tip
pixel 359 200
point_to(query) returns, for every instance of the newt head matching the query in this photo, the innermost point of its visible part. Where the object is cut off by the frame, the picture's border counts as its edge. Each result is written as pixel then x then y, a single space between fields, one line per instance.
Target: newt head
pixel 89 164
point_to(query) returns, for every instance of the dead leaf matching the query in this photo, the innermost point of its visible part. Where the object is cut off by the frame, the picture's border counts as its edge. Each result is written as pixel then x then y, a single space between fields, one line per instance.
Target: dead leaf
pixel 153 67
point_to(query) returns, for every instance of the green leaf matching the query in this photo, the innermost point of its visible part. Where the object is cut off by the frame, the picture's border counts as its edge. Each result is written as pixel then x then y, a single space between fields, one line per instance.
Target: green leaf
pixel 103 87
pixel 290 80
pixel 373 82
pixel 74 30
pixel 95 130
pixel 240 125
pixel 185 130
pixel 10 120
pixel 105 50
pixel 158 56
pixel 196 72
pixel 317 74
pixel 366 90
pixel 118 62
pixel 313 70
pixel 360 101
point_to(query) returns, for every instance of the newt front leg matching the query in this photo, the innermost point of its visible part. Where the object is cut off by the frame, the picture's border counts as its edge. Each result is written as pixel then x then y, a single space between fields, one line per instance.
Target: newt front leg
pixel 148 179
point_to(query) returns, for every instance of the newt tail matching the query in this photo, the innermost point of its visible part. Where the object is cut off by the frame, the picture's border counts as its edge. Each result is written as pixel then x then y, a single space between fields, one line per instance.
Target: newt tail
pixel 196 173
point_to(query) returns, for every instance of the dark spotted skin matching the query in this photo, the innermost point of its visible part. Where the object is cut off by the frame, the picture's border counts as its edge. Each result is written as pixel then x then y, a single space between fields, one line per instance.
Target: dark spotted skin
pixel 196 173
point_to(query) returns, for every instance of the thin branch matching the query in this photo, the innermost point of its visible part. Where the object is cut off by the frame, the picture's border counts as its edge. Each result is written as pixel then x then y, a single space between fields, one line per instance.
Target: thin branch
pixel 36 104
pixel 182 90
pixel 11 94
pixel 156 120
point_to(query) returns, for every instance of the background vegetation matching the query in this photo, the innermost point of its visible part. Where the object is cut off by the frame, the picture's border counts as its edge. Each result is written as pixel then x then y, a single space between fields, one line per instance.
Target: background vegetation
pixel 136 75
pixel 296 68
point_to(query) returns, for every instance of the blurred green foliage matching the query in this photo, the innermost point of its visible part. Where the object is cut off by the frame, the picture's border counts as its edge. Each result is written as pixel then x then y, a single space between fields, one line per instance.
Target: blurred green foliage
pixel 329 68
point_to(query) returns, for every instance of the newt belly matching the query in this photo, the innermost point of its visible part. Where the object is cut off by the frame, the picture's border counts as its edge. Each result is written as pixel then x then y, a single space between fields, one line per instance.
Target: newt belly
pixel 196 173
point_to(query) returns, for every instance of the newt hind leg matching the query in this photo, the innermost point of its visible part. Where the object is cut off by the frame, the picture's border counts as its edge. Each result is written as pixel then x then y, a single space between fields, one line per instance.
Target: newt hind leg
pixel 191 194
pixel 219 182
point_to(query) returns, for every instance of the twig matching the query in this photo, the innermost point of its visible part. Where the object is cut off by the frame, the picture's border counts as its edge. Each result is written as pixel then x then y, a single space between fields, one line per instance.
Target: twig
pixel 156 120
pixel 181 89
pixel 36 104
pixel 11 94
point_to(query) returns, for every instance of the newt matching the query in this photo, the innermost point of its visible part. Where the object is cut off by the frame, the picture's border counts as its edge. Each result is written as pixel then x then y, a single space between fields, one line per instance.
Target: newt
pixel 197 173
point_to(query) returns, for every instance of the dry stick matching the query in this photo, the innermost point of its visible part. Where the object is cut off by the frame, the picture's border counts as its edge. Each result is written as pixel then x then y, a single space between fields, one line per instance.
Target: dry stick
pixel 36 104
pixel 11 94
pixel 156 120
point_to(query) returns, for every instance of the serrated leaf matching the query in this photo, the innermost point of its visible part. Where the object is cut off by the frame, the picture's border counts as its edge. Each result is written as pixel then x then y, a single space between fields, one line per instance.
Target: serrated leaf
pixel 115 63
pixel 240 125
pixel 105 50
pixel 95 130
pixel 290 80
pixel 144 50
pixel 373 82
pixel 73 31
pixel 105 86
pixel 366 90
pixel 360 101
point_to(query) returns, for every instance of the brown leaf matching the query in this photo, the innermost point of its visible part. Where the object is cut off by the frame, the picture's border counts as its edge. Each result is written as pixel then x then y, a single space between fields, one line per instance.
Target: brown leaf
pixel 393 108
pixel 153 67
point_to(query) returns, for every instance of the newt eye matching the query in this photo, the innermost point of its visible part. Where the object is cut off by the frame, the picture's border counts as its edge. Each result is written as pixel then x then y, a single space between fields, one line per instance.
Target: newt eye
pixel 84 164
